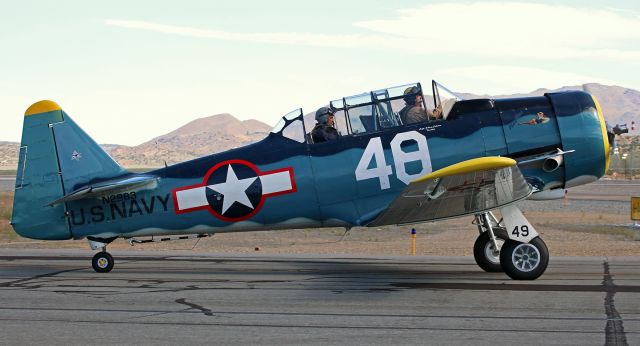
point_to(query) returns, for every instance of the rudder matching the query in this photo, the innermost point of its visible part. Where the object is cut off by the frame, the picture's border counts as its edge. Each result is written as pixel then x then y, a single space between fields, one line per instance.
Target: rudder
pixel 56 158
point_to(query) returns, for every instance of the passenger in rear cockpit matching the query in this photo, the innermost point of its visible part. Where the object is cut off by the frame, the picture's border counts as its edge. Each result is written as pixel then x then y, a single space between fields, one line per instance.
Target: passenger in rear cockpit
pixel 413 111
pixel 324 130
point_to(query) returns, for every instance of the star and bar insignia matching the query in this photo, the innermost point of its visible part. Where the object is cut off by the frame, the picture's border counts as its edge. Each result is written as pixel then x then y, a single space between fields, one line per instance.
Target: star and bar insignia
pixel 234 190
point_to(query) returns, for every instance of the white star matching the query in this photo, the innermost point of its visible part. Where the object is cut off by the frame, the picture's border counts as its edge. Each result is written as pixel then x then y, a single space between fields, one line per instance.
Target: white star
pixel 234 190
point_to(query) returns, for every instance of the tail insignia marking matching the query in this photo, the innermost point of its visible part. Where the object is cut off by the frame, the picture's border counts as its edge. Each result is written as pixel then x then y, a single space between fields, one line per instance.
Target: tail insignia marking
pixel 76 155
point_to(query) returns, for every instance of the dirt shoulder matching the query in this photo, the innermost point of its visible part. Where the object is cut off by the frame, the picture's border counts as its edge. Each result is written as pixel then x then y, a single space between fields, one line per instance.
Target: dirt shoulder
pixel 447 238
pixel 574 227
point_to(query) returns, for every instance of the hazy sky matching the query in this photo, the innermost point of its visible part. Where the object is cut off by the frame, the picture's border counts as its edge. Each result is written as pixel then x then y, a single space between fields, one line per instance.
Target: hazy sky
pixel 128 71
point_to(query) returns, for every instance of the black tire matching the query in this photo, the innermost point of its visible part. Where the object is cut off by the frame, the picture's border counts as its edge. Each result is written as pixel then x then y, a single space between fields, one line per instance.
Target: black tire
pixel 482 249
pixel 102 262
pixel 524 261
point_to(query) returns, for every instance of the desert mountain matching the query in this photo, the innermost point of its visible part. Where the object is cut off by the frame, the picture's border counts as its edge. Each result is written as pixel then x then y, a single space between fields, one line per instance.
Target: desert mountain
pixel 200 137
pixel 619 105
pixel 9 155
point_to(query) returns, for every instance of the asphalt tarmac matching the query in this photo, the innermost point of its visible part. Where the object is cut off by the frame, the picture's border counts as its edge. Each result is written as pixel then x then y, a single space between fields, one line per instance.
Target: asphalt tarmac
pixel 53 297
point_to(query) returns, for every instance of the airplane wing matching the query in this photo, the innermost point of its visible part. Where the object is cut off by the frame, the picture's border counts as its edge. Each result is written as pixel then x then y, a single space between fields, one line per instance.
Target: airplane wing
pixel 107 187
pixel 468 187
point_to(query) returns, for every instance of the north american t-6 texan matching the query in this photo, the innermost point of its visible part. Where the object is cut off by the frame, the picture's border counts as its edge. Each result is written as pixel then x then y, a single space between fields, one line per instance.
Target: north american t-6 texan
pixel 467 157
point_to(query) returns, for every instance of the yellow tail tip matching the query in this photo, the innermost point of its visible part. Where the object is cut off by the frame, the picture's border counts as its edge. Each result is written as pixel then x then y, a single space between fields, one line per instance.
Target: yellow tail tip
pixel 42 107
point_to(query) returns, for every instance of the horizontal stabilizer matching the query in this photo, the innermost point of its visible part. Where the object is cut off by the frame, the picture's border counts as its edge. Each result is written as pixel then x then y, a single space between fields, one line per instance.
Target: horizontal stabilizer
pixel 107 187
pixel 468 187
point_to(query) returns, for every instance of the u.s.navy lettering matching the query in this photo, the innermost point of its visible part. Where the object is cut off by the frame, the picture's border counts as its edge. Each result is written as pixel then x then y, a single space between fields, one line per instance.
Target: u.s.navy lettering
pixel 119 206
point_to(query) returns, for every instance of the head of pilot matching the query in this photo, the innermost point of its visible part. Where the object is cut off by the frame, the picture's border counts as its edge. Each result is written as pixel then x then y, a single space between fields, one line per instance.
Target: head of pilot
pixel 412 96
pixel 325 116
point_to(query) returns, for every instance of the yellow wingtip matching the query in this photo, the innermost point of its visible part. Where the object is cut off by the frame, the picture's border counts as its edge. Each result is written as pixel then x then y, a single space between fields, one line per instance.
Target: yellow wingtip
pixel 42 107
pixel 473 165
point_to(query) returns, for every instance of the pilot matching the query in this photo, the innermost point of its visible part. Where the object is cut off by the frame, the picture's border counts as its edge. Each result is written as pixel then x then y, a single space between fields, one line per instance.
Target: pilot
pixel 413 111
pixel 324 130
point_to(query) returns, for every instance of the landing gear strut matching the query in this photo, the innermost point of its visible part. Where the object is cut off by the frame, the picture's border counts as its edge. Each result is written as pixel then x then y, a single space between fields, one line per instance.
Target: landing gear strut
pixel 513 246
pixel 486 249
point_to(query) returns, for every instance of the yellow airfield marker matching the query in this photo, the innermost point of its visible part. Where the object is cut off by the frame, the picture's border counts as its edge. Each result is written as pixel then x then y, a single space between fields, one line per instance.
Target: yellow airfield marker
pixel 413 242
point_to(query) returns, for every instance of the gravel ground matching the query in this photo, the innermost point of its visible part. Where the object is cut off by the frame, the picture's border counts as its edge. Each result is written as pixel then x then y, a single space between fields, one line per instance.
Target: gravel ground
pixel 7 183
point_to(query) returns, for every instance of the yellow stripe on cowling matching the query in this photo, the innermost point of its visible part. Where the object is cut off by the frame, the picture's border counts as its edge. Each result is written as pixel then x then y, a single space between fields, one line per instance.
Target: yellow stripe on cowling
pixel 473 165
pixel 42 107
pixel 605 138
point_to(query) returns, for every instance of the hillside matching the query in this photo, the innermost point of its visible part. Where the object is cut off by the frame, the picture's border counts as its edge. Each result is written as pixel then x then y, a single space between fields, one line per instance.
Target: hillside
pixel 9 155
pixel 200 137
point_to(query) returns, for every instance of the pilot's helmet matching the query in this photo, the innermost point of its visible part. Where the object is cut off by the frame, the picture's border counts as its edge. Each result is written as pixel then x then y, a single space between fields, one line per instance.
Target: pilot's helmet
pixel 323 113
pixel 410 94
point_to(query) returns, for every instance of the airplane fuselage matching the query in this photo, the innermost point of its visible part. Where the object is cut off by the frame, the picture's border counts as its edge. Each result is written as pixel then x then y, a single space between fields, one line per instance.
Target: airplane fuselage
pixel 282 183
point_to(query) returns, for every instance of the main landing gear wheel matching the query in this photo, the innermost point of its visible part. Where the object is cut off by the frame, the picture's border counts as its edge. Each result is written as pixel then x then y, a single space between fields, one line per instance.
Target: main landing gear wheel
pixel 524 261
pixel 102 262
pixel 486 256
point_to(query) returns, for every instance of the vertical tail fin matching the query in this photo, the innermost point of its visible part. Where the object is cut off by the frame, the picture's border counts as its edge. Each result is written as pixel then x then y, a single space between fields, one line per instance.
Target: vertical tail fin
pixel 56 157
pixel 80 158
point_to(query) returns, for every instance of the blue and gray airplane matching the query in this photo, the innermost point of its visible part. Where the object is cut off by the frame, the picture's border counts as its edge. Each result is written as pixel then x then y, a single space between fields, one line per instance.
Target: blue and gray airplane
pixel 466 157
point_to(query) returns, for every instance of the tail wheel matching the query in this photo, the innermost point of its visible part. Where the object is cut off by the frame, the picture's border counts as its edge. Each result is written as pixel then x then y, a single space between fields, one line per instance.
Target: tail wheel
pixel 102 262
pixel 524 261
pixel 486 256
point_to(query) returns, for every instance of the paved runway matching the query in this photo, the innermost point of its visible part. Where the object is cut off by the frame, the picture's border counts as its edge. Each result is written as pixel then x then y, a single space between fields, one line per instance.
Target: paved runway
pixel 54 297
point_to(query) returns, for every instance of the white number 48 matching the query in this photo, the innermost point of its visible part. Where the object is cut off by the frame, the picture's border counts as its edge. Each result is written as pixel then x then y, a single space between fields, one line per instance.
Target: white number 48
pixel 374 151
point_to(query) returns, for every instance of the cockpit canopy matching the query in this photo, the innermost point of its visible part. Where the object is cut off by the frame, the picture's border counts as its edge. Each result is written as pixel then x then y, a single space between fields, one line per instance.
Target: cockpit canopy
pixel 370 111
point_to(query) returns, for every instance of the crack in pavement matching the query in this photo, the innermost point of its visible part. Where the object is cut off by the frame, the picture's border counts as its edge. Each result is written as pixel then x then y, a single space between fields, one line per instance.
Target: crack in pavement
pixel 18 283
pixel 614 330
pixel 194 306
